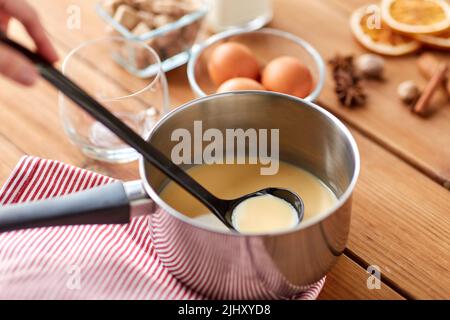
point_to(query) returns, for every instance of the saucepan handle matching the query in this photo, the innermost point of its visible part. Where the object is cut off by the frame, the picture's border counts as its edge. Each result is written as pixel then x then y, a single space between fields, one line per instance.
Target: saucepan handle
pixel 108 204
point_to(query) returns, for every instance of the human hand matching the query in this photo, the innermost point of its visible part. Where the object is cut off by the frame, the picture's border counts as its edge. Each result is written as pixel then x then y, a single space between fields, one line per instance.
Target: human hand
pixel 13 64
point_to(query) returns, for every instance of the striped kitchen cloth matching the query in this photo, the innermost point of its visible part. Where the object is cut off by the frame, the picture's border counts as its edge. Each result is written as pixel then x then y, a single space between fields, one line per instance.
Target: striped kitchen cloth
pixel 82 262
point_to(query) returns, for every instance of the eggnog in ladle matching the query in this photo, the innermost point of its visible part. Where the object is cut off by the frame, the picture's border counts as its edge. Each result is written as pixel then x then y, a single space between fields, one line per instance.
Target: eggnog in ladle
pixel 265 213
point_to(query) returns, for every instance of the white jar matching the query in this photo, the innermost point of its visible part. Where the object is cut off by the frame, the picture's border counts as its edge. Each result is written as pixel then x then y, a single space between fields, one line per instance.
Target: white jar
pixel 228 14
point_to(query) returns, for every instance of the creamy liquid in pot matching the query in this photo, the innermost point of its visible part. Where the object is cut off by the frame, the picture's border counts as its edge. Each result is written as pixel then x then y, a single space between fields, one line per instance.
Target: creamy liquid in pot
pixel 229 181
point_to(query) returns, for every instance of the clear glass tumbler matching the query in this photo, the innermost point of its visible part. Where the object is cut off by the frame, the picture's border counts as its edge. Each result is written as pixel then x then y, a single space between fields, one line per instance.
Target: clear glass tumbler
pixel 106 68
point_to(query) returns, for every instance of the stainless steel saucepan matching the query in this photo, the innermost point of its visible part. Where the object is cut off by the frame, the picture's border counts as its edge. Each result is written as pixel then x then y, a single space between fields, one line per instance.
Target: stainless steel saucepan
pixel 222 264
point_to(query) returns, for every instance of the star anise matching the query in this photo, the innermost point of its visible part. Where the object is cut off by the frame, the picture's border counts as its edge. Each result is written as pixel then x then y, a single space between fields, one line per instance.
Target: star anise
pixel 347 82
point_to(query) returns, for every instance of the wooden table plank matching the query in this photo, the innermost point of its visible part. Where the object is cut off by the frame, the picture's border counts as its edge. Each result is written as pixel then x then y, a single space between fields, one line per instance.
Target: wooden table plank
pixel 422 142
pixel 400 216
pixel 371 218
pixel 375 191
pixel 347 280
pixel 401 222
pixel 384 120
pixel 32 114
pixel 34 128
pixel 32 123
pixel 10 155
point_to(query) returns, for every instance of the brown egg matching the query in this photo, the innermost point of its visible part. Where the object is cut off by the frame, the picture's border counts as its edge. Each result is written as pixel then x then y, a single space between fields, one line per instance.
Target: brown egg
pixel 237 84
pixel 287 75
pixel 231 60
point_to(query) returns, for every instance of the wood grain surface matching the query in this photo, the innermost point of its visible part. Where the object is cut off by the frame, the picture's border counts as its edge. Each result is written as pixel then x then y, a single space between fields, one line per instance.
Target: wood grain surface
pixel 348 281
pixel 401 213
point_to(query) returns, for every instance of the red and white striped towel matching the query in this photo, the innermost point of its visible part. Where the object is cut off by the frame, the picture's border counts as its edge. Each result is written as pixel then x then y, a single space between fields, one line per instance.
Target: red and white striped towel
pixel 81 262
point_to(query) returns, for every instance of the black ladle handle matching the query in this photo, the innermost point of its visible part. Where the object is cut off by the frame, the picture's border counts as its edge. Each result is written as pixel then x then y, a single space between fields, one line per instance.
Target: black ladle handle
pixel 109 120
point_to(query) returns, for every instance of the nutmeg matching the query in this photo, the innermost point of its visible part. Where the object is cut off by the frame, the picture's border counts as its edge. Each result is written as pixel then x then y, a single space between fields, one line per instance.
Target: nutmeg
pixel 370 65
pixel 408 91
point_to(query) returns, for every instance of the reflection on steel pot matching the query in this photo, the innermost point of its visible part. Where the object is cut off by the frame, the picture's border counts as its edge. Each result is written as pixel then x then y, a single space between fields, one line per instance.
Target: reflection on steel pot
pixel 225 265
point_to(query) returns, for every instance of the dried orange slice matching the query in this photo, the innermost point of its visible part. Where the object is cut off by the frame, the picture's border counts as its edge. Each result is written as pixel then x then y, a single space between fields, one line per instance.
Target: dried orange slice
pixel 416 16
pixel 379 37
pixel 441 41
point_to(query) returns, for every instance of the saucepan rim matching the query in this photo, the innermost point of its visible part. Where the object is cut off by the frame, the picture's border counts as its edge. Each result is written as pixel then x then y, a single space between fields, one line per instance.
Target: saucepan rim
pixel 307 223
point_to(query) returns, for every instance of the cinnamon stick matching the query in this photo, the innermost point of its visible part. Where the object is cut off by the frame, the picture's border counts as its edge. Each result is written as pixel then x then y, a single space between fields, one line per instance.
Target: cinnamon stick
pixel 421 106
pixel 428 64
pixel 447 86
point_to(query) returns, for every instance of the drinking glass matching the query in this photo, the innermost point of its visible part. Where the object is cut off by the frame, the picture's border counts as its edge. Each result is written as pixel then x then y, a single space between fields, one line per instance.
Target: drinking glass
pixel 106 68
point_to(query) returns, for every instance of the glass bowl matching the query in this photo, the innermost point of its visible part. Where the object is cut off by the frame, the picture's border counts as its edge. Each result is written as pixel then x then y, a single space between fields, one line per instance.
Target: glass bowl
pixel 172 41
pixel 266 44
pixel 95 66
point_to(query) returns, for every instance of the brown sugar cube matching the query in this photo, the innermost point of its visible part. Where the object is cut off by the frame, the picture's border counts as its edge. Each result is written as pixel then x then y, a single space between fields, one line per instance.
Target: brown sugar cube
pixel 190 32
pixel 136 56
pixel 140 29
pixel 144 5
pixel 141 58
pixel 168 38
pixel 168 7
pixel 146 17
pixel 126 16
pixel 152 43
pixel 175 48
pixel 110 6
pixel 161 20
pixel 190 5
pixel 129 2
pixel 168 44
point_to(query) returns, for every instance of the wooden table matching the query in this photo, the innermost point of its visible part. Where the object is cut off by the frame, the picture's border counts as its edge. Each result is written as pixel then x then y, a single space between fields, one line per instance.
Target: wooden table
pixel 401 215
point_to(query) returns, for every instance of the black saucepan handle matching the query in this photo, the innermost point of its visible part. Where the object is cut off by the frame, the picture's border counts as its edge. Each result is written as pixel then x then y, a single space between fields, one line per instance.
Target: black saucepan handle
pixel 107 204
